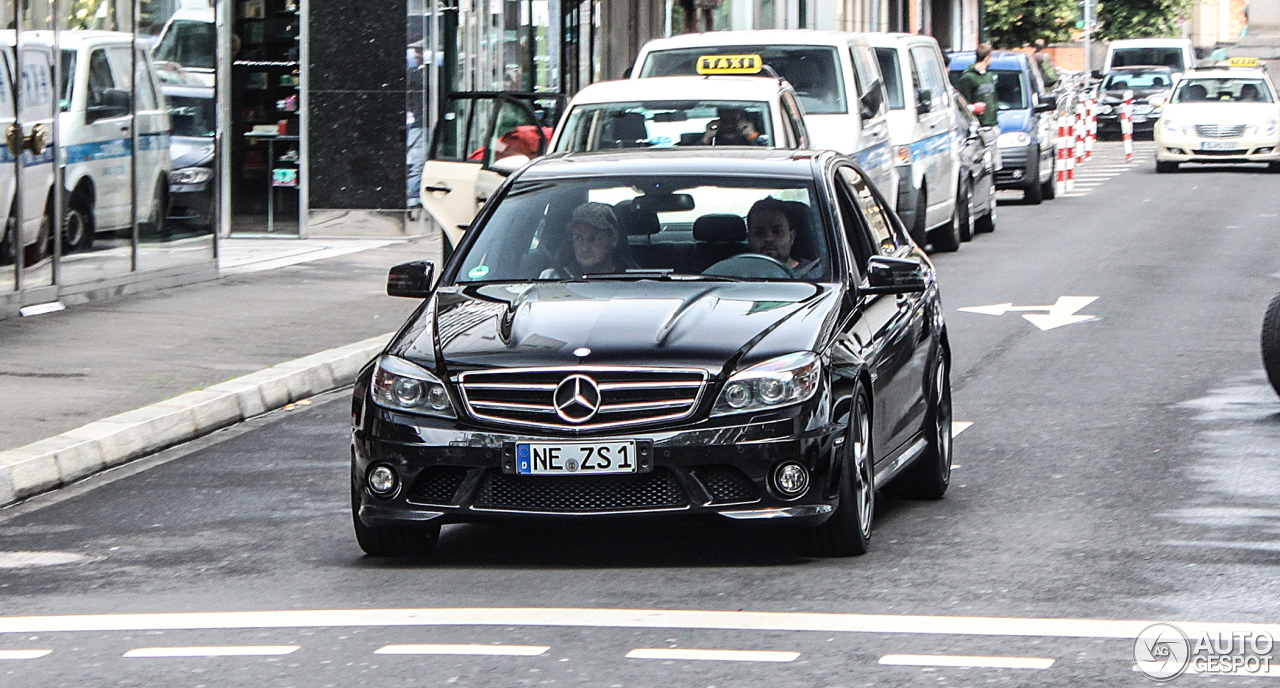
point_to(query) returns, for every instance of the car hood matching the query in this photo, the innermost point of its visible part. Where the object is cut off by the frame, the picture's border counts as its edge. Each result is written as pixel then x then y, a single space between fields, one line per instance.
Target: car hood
pixel 1225 114
pixel 191 151
pixel 696 324
pixel 1015 120
pixel 1113 97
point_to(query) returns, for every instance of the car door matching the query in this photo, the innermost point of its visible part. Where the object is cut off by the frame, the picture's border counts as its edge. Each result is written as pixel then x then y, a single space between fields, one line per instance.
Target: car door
pixel 151 161
pixel 481 138
pixel 896 327
pixel 936 146
pixel 106 141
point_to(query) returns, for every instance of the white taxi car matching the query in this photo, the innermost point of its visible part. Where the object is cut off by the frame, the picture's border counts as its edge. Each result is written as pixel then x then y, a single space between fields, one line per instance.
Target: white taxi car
pixel 1220 115
pixel 665 112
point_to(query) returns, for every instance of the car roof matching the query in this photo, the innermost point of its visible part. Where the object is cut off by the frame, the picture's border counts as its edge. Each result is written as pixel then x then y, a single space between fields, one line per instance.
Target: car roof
pixel 768 37
pixel 1225 73
pixel 1000 59
pixel 890 40
pixel 1150 43
pixel 700 161
pixel 1141 69
pixel 755 88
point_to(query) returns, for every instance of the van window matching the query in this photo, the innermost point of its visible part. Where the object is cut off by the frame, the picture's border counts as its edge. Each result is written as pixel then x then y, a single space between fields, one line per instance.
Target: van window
pixel 68 74
pixel 1166 57
pixel 814 71
pixel 889 69
pixel 932 74
pixel 188 43
pixel 100 77
pixel 867 69
pixel 147 98
pixel 1011 91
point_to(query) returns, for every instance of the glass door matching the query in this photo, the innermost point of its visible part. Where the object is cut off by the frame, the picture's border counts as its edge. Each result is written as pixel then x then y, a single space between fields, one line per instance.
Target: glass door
pixel 30 140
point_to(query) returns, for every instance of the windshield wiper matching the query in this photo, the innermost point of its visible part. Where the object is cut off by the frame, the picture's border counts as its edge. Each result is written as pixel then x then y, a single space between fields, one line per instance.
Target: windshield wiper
pixel 666 275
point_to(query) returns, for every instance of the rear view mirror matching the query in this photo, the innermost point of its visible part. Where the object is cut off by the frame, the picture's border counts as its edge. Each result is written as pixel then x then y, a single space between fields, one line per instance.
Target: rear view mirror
pixel 411 280
pixel 924 101
pixel 894 276
pixel 662 203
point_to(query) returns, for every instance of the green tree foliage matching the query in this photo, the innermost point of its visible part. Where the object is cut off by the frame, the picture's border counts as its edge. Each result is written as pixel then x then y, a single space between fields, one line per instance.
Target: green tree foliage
pixel 1015 23
pixel 1141 18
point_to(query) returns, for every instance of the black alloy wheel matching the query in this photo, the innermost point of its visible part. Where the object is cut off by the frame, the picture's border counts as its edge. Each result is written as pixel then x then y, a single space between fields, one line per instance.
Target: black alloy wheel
pixel 964 209
pixel 919 227
pixel 929 476
pixel 848 531
pixel 1271 343
pixel 392 541
pixel 77 225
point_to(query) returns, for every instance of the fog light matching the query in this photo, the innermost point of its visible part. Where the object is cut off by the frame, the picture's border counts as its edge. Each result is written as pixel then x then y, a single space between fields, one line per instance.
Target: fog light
pixel 382 481
pixel 1264 151
pixel 1177 151
pixel 1017 174
pixel 791 480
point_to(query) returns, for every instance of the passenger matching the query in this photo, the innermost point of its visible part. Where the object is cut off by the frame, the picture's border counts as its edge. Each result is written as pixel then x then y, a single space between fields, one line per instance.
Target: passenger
pixel 1249 93
pixel 1158 82
pixel 732 127
pixel 769 233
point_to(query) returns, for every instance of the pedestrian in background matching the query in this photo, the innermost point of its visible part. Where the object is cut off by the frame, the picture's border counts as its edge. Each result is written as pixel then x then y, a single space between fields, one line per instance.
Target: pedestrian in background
pixel 1044 61
pixel 978 86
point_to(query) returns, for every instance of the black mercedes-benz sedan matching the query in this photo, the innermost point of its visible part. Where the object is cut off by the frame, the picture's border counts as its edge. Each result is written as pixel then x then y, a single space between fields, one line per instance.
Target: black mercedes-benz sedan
pixel 738 333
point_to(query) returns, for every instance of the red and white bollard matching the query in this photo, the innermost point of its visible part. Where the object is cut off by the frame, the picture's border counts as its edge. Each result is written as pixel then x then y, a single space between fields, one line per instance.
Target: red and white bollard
pixel 1060 159
pixel 1126 125
pixel 1080 132
pixel 1069 152
pixel 1091 123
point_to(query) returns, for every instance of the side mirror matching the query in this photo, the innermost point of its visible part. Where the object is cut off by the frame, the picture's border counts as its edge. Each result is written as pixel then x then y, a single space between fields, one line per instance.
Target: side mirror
pixel 411 280
pixel 924 101
pixel 974 131
pixel 1157 101
pixel 1047 105
pixel 115 103
pixel 509 164
pixel 894 276
pixel 872 101
pixel 1096 74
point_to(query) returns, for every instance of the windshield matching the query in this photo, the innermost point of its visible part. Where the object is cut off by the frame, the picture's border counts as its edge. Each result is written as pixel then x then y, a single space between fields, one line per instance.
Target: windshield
pixel 1228 90
pixel 1161 57
pixel 814 71
pixel 651 227
pixel 188 43
pixel 1121 81
pixel 192 116
pixel 888 58
pixel 1011 93
pixel 662 124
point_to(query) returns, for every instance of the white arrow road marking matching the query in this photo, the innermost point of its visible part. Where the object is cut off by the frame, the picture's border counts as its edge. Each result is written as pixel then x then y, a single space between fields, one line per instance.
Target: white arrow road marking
pixel 214 651
pixel 487 650
pixel 23 654
pixel 1062 312
pixel 714 655
pixel 963 661
pixel 959 426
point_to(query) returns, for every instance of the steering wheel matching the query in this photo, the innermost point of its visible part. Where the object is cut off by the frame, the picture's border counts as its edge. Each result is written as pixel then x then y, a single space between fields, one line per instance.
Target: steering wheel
pixel 750 265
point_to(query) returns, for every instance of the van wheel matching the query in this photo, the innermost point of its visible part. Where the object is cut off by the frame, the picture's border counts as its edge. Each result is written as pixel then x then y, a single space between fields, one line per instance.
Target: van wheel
pixel 77 225
pixel 947 238
pixel 848 531
pixel 964 213
pixel 9 242
pixel 919 226
pixel 1034 192
pixel 159 216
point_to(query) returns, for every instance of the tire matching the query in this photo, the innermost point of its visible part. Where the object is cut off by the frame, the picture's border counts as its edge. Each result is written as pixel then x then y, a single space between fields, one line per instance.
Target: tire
pixel 987 223
pixel 947 238
pixel 392 541
pixel 848 531
pixel 1047 190
pixel 1034 192
pixel 159 215
pixel 1165 167
pixel 963 202
pixel 77 225
pixel 929 476
pixel 1271 343
pixel 9 242
pixel 918 226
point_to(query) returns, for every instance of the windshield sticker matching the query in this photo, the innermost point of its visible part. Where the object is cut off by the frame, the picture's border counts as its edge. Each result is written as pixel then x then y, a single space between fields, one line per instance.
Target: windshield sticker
pixel 478 272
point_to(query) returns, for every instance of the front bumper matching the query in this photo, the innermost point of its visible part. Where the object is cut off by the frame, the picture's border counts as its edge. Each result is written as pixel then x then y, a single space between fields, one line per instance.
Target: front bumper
pixel 1019 169
pixel 1110 124
pixel 451 473
pixel 1191 149
pixel 191 204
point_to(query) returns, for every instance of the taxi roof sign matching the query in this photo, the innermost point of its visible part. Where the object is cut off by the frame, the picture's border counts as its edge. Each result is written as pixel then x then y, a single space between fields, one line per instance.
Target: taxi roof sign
pixel 1243 62
pixel 730 64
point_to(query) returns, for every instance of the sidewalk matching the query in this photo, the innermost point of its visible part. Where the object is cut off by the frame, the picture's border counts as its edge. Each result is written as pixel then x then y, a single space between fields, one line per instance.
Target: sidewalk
pixel 62 370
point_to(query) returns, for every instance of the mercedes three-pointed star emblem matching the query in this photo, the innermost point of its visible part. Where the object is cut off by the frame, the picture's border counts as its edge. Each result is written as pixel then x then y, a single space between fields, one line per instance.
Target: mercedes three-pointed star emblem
pixel 577 399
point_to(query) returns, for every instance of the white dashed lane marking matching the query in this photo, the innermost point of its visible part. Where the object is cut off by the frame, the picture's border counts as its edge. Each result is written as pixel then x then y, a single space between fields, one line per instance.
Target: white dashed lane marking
pixel 713 655
pixel 959 426
pixel 214 651
pixel 481 650
pixel 23 654
pixel 966 661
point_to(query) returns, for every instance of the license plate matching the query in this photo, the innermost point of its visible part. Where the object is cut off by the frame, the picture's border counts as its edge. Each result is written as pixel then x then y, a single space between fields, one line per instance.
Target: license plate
pixel 1218 145
pixel 578 458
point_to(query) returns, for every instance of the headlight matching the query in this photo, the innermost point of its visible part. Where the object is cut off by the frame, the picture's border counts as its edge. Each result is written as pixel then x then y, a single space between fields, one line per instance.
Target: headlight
pixel 402 386
pixel 1268 128
pixel 191 175
pixel 776 382
pixel 1104 109
pixel 1014 139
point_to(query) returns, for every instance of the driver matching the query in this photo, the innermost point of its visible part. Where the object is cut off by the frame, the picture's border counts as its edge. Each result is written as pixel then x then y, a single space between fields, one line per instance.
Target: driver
pixel 594 232
pixel 1249 93
pixel 770 233
pixel 732 127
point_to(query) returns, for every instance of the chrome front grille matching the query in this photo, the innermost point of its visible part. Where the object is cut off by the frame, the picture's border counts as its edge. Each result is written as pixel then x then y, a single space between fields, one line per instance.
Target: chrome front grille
pixel 622 396
pixel 1220 131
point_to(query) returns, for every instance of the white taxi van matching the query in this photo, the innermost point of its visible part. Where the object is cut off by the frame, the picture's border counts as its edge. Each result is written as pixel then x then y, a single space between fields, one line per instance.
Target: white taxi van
pixel 1220 115
pixel 664 112
pixel 835 75
pixel 26 135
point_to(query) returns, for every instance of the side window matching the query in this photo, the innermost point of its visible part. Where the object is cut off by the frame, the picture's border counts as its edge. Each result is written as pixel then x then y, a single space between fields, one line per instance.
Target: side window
pixel 516 132
pixel 792 109
pixel 860 245
pixel 100 78
pixel 916 82
pixel 147 98
pixel 929 64
pixel 876 216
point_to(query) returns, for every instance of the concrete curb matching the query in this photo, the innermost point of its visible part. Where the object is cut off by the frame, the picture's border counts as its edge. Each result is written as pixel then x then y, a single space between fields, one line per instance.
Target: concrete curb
pixel 61 459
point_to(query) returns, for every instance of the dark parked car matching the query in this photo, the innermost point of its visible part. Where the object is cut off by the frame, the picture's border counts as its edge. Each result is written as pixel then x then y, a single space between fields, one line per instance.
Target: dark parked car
pixel 194 117
pixel 743 333
pixel 1146 83
pixel 979 162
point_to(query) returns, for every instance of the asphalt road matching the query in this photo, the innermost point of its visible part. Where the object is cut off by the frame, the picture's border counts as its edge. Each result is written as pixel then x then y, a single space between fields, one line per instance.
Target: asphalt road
pixel 1124 467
